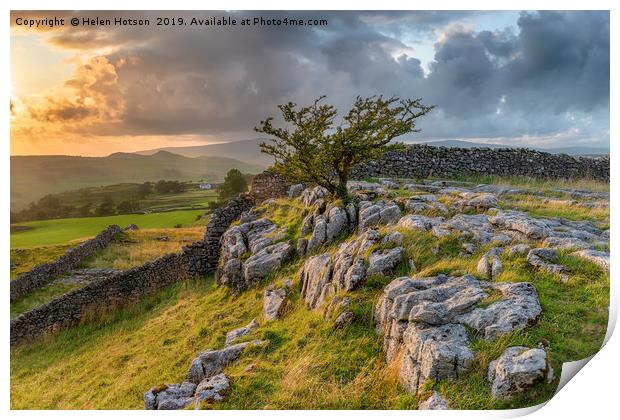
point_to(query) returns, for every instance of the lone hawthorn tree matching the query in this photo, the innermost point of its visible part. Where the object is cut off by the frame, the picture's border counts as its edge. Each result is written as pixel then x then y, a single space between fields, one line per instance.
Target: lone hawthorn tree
pixel 315 150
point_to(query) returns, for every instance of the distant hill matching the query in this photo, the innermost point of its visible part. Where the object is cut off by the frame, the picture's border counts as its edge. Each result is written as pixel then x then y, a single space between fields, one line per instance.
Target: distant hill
pixel 34 176
pixel 570 150
pixel 245 150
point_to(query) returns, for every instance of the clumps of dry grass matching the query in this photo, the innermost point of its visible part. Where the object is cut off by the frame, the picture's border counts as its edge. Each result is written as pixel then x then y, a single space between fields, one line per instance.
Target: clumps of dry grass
pixel 141 246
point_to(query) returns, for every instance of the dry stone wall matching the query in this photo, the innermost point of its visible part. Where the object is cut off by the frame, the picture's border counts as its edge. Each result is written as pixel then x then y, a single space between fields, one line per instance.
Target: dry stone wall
pixel 268 185
pixel 126 287
pixel 100 296
pixel 421 161
pixel 45 273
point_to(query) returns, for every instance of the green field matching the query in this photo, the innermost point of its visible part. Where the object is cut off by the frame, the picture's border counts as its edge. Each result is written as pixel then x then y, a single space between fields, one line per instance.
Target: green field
pixel 58 231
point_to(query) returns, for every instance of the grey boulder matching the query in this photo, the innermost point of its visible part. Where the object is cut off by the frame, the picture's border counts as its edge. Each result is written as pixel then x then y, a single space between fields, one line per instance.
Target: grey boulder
pixel 517 370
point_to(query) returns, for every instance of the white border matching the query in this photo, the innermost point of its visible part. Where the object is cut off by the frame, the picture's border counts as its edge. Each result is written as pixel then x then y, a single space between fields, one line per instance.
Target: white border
pixel 592 394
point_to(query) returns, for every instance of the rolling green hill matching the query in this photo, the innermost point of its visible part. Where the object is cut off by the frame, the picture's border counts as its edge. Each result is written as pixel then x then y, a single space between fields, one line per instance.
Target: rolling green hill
pixel 34 176
pixel 59 231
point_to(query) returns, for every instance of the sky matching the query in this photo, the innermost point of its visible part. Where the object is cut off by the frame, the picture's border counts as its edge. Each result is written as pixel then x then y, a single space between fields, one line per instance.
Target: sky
pixel 522 78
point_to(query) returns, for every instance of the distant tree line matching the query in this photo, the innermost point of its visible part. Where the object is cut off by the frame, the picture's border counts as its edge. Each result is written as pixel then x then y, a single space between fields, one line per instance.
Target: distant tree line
pixel 54 206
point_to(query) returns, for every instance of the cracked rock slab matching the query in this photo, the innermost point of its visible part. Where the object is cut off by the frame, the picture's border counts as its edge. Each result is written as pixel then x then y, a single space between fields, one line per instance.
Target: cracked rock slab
pixel 434 353
pixel 423 322
pixel 517 370
pixel 325 275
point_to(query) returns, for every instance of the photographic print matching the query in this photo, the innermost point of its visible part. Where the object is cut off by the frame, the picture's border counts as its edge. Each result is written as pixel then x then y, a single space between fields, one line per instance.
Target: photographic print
pixel 306 210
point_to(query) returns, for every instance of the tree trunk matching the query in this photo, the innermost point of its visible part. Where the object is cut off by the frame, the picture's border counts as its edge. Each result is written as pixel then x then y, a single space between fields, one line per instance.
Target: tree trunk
pixel 341 189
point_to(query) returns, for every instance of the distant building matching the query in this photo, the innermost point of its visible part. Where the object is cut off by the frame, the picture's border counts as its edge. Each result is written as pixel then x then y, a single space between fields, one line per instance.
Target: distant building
pixel 205 186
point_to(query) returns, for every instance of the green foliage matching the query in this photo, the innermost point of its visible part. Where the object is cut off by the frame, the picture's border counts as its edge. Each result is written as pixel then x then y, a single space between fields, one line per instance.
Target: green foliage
pixel 106 208
pixel 145 189
pixel 234 184
pixel 318 151
pixel 165 187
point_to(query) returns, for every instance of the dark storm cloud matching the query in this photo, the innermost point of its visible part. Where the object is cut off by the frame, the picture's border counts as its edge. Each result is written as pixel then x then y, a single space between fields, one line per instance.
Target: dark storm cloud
pixel 548 75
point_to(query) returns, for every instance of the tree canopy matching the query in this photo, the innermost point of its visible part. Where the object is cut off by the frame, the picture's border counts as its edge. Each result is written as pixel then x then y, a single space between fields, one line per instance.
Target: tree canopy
pixel 313 149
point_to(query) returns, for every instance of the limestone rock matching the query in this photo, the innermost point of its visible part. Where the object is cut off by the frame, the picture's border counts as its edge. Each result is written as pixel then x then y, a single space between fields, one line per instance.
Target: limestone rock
pixel 259 265
pixel 383 262
pixel 519 249
pixel 599 258
pixel 544 259
pixel 417 222
pixel 325 275
pixel 423 321
pixel 273 303
pixel 521 222
pixel 169 397
pixel 517 306
pixel 393 238
pixel 435 353
pixel 424 203
pixel 482 201
pixel 565 243
pixel 344 319
pixel 256 241
pixel 517 370
pixel 379 213
pixel 212 362
pixel 295 190
pixel 310 196
pixel 434 402
pixel 211 389
pixel 490 264
pixel 469 248
pixel 324 226
pixel 240 332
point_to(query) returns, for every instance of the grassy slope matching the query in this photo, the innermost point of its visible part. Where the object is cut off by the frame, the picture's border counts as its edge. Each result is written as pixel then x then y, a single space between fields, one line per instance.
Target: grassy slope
pixel 110 362
pixel 58 231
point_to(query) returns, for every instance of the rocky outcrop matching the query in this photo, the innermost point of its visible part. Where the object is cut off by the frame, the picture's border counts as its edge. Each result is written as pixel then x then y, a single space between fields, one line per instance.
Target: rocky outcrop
pixel 169 397
pixel 44 273
pixel 517 370
pixel 212 362
pixel 417 222
pixel 424 320
pixel 325 275
pixel 295 190
pixel 378 213
pixel 311 196
pixel 434 402
pixel 325 225
pixel 206 381
pixel 250 251
pixel 424 204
